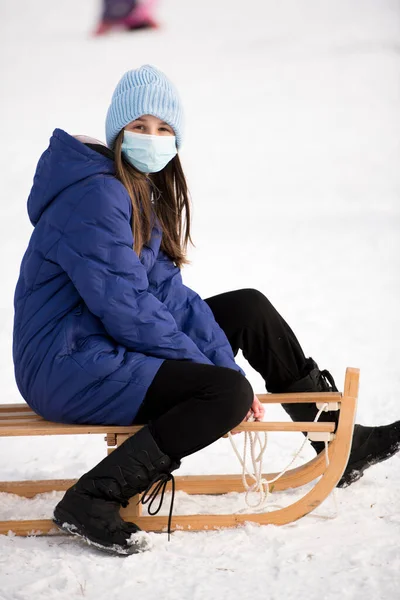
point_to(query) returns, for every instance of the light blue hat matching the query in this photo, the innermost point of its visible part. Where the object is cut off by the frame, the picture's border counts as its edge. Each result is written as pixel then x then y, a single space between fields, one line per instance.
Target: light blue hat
pixel 144 91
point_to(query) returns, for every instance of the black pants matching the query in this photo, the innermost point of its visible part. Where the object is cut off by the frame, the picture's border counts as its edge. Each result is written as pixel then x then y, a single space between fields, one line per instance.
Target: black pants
pixel 190 405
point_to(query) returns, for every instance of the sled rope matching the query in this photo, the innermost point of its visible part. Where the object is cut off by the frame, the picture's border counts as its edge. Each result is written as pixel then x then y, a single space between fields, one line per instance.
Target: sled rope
pixel 335 502
pixel 261 485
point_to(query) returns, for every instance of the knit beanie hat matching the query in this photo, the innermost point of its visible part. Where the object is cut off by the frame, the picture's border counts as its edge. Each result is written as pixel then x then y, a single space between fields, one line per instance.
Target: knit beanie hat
pixel 144 91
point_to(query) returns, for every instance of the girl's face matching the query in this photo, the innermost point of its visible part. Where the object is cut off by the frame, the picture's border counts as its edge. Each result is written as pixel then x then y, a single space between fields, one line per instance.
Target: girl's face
pixel 149 125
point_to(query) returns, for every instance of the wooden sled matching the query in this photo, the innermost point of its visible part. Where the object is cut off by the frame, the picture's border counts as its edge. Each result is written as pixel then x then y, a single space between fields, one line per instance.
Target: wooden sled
pixel 20 420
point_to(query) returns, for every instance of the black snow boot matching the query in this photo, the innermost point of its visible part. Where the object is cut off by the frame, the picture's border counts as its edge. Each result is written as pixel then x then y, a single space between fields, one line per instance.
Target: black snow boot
pixel 313 380
pixel 371 445
pixel 90 508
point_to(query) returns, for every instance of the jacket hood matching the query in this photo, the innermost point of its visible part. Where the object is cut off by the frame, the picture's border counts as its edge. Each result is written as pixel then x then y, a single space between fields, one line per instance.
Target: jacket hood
pixel 65 162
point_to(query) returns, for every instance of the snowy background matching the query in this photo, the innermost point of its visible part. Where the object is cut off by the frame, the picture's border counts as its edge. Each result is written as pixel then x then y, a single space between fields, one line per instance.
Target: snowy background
pixel 292 154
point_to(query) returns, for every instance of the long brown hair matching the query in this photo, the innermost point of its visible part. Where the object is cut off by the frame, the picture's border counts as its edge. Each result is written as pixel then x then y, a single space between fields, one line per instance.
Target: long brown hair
pixel 171 204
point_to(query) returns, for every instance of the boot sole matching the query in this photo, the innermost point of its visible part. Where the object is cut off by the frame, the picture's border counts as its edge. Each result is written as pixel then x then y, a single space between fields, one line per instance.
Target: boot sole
pixel 65 522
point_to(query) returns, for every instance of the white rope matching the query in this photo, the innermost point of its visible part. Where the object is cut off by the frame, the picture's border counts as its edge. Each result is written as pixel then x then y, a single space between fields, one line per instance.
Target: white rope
pixel 335 502
pixel 261 485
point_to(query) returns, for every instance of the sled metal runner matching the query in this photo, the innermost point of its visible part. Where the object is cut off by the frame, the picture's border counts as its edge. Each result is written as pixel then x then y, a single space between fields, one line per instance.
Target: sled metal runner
pixel 20 420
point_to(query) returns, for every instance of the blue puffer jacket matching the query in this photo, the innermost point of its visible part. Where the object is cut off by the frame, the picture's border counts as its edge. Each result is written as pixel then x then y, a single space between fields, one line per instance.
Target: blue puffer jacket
pixel 93 321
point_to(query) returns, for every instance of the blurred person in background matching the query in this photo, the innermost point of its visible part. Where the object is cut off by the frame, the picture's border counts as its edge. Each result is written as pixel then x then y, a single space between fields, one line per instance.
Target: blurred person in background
pixel 106 332
pixel 126 15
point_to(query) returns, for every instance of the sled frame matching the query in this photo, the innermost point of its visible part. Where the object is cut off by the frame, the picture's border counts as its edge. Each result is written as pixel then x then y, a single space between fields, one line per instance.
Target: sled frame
pixel 20 420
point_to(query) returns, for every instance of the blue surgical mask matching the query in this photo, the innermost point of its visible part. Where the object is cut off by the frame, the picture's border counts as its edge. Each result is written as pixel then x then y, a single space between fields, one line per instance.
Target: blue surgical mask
pixel 148 153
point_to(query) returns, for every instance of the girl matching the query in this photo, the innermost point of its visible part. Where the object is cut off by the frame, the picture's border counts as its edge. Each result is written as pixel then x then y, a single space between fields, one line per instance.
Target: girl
pixel 106 332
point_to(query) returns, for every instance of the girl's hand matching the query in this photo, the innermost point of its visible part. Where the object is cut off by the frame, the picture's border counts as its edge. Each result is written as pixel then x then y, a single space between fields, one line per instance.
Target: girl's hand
pixel 257 410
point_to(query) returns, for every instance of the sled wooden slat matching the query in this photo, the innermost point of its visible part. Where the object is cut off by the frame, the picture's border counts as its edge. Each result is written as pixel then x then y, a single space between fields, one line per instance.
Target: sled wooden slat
pixel 327 427
pixel 22 416
pixel 20 420
pixel 191 484
pixel 42 427
pixel 293 398
pixel 21 407
pixel 299 398
pixel 38 426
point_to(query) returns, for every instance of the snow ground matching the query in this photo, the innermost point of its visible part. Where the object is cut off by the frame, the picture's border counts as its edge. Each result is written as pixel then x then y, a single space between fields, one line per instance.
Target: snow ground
pixel 292 153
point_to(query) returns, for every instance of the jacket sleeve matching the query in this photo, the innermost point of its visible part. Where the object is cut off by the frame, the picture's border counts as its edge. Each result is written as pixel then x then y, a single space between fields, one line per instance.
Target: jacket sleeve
pixel 96 251
pixel 192 314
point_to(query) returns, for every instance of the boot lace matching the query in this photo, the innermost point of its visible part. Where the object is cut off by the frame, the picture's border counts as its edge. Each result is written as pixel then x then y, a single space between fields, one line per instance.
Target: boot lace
pixel 150 494
pixel 327 381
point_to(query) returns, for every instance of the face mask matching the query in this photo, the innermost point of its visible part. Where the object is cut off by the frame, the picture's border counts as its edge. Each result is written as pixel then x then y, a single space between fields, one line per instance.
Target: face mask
pixel 148 153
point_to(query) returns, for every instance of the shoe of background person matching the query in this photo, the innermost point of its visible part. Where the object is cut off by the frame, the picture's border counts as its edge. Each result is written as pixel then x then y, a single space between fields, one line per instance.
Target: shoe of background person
pixel 104 27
